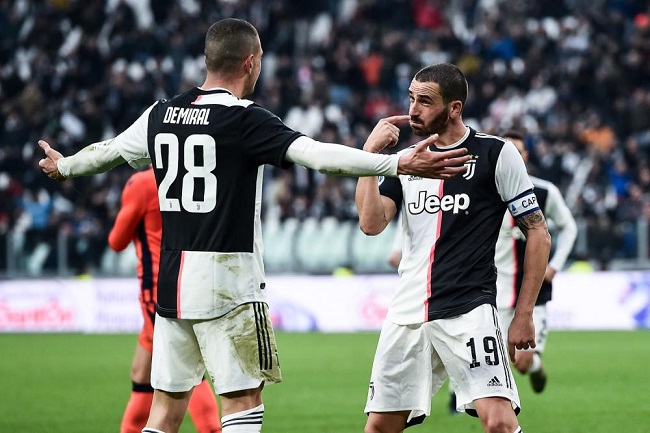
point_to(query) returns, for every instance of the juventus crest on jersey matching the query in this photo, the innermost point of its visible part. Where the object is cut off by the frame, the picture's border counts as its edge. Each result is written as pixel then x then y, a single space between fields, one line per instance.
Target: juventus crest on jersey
pixel 451 227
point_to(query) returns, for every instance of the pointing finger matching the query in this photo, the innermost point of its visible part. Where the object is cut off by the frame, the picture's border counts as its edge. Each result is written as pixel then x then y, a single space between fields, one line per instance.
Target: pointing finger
pixel 395 119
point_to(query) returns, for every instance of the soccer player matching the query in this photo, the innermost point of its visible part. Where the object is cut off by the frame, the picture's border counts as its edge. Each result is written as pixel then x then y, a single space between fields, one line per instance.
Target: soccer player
pixel 442 321
pixel 139 221
pixel 509 259
pixel 208 147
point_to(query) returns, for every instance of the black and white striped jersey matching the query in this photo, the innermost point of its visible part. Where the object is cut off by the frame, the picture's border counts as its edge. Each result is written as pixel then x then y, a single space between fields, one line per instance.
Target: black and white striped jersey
pixel 511 245
pixel 451 228
pixel 208 149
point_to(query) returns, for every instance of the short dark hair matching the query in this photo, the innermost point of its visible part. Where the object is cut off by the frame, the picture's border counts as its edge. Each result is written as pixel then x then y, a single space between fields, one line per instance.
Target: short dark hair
pixel 227 43
pixel 513 134
pixel 452 82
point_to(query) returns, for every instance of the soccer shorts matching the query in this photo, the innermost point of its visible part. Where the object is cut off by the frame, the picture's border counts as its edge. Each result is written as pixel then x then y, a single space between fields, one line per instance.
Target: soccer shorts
pixel 412 362
pixel 539 320
pixel 237 349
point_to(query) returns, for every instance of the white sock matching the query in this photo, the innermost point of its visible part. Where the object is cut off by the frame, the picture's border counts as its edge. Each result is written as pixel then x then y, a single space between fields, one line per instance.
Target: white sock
pixel 535 365
pixel 247 421
pixel 518 430
pixel 151 430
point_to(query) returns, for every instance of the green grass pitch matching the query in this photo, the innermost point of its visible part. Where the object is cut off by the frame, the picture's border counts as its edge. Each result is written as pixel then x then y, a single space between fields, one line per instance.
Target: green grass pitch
pixel 599 382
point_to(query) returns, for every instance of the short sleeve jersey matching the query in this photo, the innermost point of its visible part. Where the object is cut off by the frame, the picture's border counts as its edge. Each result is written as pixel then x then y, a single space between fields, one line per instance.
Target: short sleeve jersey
pixel 447 267
pixel 208 149
pixel 511 246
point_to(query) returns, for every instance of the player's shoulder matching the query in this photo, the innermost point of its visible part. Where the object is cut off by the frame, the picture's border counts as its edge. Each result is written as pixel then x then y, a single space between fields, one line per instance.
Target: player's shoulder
pixel 483 139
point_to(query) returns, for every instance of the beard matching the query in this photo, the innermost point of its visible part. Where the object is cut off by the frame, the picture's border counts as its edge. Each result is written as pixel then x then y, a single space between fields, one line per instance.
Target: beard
pixel 437 126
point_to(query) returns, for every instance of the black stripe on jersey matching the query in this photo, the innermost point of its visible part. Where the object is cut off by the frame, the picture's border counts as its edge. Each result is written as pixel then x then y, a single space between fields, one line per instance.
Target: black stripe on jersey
pixel 170 263
pixel 251 418
pixel 147 289
pixel 263 339
pixel 147 262
pixel 523 194
pixel 502 350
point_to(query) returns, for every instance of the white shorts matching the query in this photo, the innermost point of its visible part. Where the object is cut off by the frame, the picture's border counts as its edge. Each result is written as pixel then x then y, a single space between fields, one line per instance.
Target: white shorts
pixel 412 362
pixel 539 320
pixel 238 350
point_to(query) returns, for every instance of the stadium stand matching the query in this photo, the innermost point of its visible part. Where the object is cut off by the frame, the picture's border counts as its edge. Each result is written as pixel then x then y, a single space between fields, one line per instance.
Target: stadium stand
pixel 574 75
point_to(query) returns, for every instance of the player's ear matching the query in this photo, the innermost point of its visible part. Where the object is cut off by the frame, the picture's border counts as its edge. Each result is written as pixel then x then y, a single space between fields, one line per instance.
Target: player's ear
pixel 249 63
pixel 455 109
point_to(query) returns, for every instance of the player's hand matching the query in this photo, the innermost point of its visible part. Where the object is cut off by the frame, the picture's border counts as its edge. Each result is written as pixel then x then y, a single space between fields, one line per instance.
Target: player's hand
pixel 49 163
pixel 521 334
pixel 384 134
pixel 435 165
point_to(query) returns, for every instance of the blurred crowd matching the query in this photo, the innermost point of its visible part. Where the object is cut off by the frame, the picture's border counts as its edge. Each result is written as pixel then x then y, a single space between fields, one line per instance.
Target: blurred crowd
pixel 574 75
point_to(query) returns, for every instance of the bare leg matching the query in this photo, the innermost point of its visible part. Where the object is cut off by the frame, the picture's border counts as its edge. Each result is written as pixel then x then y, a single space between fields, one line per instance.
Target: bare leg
pixel 168 410
pixel 496 414
pixel 386 422
pixel 238 401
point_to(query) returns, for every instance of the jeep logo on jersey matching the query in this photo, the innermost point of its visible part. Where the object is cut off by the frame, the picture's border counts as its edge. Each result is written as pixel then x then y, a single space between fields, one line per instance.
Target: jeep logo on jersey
pixel 471 167
pixel 432 203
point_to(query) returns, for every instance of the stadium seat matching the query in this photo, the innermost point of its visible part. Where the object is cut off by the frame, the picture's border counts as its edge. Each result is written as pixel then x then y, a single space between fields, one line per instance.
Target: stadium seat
pixel 370 254
pixel 279 245
pixel 322 246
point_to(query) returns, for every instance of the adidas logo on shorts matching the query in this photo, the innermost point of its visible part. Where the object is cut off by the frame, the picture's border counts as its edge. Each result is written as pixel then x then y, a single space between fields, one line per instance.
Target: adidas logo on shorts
pixel 494 382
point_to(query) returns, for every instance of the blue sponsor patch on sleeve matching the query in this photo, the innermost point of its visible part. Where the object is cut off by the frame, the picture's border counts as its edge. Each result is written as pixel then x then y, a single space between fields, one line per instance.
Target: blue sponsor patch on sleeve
pixel 523 204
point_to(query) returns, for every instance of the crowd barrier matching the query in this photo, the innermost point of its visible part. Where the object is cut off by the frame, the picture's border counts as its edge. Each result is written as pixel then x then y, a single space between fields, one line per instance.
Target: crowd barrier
pixel 302 303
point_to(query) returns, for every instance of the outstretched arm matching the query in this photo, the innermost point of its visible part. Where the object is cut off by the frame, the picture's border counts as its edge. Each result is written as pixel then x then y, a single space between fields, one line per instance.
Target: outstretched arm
pixel 342 160
pixel 93 159
pixel 130 145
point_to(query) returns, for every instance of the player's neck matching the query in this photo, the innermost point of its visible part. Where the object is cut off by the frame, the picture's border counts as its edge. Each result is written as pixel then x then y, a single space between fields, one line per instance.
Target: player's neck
pixel 234 86
pixel 455 132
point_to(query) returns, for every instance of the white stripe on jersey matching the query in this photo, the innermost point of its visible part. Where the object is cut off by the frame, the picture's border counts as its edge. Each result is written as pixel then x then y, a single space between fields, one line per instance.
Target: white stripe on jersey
pixel 226 99
pixel 410 303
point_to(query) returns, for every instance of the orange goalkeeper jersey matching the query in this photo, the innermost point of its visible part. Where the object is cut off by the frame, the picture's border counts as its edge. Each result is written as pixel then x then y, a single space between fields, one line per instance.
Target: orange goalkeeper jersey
pixel 139 221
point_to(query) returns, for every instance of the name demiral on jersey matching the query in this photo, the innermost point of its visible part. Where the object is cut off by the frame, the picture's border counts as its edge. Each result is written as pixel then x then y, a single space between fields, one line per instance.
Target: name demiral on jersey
pixel 187 116
pixel 432 203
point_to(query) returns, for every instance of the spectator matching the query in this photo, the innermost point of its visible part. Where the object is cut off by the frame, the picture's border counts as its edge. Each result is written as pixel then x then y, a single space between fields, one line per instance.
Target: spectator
pixel 579 74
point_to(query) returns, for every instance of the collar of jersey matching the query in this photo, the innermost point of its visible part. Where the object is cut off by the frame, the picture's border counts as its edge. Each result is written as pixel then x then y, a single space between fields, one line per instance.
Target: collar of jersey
pixel 456 144
pixel 215 90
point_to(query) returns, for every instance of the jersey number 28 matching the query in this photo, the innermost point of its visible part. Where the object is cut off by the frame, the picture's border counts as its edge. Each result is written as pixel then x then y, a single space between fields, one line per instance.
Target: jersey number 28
pixel 208 147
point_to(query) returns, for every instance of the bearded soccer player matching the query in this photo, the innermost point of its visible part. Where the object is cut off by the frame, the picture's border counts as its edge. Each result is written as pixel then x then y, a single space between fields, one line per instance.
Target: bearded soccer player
pixel 442 321
pixel 139 220
pixel 510 257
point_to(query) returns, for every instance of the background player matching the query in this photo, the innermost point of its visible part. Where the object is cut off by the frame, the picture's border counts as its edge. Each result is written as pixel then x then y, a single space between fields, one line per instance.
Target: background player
pixel 139 220
pixel 208 147
pixel 509 259
pixel 442 321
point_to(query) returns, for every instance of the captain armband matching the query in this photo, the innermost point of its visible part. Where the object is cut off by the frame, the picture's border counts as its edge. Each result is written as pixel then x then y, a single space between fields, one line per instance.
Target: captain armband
pixel 524 204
